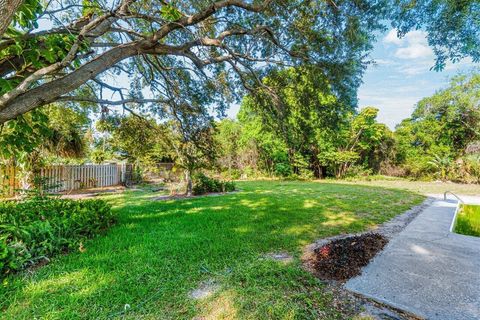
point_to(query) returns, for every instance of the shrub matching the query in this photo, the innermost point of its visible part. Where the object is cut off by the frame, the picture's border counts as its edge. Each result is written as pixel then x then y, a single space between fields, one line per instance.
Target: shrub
pixel 228 186
pixel 283 169
pixel 203 184
pixel 37 228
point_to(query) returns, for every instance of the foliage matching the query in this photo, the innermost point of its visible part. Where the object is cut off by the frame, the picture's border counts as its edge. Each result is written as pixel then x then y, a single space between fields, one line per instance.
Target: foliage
pixel 47 135
pixel 38 228
pixel 20 137
pixel 227 137
pixel 203 184
pixel 132 138
pixel 191 137
pixel 219 238
pixel 302 129
pixel 55 130
pixel 286 120
pixel 452 26
pixel 201 73
pixel 82 49
pixel 434 141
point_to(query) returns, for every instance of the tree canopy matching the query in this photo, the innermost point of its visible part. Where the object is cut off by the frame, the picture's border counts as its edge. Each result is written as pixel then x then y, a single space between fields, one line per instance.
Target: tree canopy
pixel 303 129
pixel 441 127
pixel 202 54
pixel 195 53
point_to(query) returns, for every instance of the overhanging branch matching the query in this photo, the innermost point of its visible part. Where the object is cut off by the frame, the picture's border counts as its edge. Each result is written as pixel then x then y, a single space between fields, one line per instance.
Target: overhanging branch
pixel 109 102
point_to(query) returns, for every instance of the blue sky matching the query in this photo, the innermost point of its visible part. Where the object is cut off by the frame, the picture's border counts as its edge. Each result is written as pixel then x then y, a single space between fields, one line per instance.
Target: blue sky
pixel 399 79
pixel 401 76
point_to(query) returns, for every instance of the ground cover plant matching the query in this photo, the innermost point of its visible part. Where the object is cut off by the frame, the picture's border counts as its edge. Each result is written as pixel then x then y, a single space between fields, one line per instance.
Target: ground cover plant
pixel 468 220
pixel 159 251
pixel 34 230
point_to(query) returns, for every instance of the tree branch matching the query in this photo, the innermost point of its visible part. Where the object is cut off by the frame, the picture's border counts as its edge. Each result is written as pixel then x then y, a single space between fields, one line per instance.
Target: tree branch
pixel 109 102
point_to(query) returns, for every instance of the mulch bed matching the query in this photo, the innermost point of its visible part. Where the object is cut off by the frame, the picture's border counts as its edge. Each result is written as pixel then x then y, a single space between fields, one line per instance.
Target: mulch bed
pixel 344 258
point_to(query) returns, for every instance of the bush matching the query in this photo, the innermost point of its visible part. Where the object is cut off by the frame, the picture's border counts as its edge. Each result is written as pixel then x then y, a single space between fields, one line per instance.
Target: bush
pixel 283 169
pixel 37 228
pixel 203 184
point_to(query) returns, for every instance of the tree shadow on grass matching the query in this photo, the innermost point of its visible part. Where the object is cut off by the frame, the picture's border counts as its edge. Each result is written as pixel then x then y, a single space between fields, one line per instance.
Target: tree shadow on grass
pixel 165 248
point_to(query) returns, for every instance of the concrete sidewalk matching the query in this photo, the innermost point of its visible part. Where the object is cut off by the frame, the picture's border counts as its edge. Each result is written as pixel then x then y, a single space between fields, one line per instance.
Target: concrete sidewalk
pixel 426 269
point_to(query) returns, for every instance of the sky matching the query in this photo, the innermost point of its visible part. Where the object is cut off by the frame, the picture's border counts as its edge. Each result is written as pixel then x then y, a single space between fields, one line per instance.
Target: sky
pixel 400 77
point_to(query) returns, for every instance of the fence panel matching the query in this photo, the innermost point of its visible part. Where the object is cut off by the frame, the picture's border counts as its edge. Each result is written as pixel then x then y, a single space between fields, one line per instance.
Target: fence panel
pixel 61 178
pixel 8 180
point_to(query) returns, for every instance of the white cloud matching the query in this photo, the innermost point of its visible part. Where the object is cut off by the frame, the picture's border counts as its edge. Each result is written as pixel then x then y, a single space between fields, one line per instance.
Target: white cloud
pixel 464 64
pixel 412 46
pixel 392 109
pixel 391 37
pixel 414 51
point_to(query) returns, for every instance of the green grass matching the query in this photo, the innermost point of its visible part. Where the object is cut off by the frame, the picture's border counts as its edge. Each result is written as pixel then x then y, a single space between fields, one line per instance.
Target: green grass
pixel 422 187
pixel 159 251
pixel 468 220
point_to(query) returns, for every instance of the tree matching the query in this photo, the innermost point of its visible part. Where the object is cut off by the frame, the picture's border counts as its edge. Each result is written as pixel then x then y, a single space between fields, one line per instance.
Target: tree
pixel 132 138
pixel 180 50
pixel 441 127
pixel 452 26
pixel 362 136
pixel 227 138
pixel 303 107
pixel 41 136
pixel 7 13
pixel 191 136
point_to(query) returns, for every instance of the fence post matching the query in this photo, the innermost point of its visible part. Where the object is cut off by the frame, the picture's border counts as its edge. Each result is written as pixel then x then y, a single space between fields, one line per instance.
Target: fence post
pixel 123 173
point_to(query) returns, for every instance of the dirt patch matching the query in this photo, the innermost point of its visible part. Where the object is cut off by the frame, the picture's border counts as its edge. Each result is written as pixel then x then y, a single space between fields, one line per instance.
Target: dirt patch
pixel 91 192
pixel 388 229
pixel 357 307
pixel 344 258
pixel 204 290
pixel 283 257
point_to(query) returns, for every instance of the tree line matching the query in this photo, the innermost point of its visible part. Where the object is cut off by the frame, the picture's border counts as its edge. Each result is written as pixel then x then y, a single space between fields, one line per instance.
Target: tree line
pixel 312 135
pixel 305 132
pixel 295 66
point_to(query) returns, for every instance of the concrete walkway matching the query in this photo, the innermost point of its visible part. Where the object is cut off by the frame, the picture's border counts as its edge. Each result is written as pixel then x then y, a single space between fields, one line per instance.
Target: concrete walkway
pixel 426 269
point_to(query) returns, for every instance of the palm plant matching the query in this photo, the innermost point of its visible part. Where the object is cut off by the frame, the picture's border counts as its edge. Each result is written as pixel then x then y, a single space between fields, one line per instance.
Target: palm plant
pixel 442 164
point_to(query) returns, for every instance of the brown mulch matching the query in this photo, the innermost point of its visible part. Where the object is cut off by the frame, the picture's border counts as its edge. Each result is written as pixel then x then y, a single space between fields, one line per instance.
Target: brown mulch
pixel 344 258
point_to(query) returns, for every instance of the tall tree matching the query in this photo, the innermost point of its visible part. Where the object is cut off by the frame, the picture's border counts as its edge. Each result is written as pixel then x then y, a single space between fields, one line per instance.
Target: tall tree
pixel 191 137
pixel 304 106
pixel 43 135
pixel 441 126
pixel 190 52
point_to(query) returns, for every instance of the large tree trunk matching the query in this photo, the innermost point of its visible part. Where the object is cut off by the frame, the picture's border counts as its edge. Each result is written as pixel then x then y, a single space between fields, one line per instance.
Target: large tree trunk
pixel 52 90
pixel 7 11
pixel 34 91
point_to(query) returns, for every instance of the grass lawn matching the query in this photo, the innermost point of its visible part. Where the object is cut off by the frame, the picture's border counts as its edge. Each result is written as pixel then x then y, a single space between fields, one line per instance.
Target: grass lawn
pixel 422 187
pixel 160 250
pixel 468 220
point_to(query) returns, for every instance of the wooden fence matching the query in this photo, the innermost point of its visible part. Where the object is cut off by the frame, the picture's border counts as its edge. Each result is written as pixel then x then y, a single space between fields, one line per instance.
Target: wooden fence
pixel 65 178
pixel 9 182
